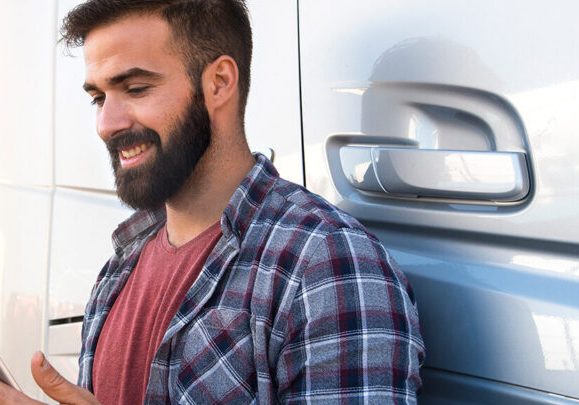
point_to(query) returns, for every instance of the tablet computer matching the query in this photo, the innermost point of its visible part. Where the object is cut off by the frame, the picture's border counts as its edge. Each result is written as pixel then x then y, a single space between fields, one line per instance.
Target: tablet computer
pixel 6 377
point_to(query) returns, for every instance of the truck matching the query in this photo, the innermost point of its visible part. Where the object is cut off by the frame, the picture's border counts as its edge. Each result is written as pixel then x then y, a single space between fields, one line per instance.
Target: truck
pixel 450 129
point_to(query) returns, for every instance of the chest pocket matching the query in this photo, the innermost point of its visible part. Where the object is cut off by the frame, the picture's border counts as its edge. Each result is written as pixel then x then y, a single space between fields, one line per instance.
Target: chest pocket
pixel 217 362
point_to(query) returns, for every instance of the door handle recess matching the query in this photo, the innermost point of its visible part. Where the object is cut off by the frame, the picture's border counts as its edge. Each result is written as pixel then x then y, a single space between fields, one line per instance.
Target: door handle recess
pixel 449 174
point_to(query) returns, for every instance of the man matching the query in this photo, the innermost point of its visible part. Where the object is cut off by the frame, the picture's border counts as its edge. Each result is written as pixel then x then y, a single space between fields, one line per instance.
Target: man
pixel 228 284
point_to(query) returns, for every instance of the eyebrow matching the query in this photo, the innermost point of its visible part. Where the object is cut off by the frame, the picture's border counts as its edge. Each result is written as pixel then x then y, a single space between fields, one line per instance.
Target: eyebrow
pixel 124 76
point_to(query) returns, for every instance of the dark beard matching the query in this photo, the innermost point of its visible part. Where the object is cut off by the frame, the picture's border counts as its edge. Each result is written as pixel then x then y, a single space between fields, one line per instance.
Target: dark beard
pixel 151 184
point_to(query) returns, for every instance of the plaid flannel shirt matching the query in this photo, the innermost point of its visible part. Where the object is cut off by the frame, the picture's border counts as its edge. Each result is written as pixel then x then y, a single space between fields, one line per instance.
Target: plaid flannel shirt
pixel 296 303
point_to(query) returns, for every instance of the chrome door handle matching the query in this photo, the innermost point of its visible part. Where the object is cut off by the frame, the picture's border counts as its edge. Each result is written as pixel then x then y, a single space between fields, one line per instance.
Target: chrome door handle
pixel 451 174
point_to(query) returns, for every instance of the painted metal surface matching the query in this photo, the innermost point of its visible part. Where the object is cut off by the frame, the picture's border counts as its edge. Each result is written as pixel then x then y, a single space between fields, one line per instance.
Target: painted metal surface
pixel 26 179
pixel 80 245
pixel 26 86
pixel 24 249
pixel 496 283
pixel 273 107
pixel 451 388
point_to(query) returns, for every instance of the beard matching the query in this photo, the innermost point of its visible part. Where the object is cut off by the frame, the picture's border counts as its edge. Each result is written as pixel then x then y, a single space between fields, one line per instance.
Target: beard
pixel 152 183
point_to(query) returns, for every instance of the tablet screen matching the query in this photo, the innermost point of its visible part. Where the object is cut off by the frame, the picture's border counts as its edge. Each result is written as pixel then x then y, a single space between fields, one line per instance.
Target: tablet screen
pixel 6 377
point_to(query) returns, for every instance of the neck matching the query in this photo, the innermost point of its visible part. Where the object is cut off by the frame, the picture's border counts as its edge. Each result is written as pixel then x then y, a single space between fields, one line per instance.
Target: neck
pixel 202 200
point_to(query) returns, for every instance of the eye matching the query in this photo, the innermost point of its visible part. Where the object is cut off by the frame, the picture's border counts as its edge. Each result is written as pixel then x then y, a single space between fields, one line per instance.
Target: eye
pixel 98 100
pixel 137 90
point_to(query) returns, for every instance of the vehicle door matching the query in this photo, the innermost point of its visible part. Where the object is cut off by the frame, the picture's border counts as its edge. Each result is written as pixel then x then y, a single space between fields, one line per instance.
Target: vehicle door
pixel 450 129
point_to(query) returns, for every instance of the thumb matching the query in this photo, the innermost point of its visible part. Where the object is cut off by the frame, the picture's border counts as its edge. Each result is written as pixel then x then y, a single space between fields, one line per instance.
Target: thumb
pixel 55 385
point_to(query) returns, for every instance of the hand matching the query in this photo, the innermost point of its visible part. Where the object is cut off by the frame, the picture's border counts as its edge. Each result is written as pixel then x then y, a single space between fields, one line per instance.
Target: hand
pixel 51 382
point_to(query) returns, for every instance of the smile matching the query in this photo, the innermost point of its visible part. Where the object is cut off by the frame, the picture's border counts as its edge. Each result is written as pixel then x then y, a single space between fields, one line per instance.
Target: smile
pixel 134 151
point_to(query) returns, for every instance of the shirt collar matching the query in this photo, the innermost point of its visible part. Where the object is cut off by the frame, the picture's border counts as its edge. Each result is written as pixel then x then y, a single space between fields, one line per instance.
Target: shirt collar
pixel 248 197
pixel 238 214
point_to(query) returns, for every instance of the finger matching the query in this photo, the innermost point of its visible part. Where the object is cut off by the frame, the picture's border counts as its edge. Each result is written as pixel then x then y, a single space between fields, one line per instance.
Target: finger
pixel 55 385
pixel 9 395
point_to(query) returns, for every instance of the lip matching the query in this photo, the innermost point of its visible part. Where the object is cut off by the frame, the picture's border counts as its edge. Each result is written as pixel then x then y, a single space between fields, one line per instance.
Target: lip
pixel 129 162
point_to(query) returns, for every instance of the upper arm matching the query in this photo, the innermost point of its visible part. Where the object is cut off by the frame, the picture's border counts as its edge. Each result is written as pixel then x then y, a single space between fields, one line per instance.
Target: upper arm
pixel 353 329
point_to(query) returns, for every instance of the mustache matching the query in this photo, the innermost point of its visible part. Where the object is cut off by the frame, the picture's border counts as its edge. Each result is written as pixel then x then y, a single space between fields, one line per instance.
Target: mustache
pixel 130 138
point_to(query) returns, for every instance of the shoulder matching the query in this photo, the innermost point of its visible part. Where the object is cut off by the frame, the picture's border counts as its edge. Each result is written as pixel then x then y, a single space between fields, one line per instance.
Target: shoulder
pixel 326 242
pixel 336 233
pixel 349 301
pixel 290 204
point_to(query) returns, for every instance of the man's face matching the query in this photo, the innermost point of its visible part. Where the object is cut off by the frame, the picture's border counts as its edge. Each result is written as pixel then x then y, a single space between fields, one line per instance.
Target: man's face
pixel 155 125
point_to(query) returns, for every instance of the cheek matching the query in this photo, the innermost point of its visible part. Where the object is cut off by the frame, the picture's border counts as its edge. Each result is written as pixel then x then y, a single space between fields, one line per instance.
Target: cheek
pixel 162 112
pixel 156 117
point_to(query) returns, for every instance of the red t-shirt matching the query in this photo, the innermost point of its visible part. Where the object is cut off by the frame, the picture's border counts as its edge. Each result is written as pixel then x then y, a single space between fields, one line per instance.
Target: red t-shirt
pixel 142 312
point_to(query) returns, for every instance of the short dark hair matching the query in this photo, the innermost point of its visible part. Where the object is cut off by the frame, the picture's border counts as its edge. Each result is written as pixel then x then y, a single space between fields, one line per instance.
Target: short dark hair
pixel 204 30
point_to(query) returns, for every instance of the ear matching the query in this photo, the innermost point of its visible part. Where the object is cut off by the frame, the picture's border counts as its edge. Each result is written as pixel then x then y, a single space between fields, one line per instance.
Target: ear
pixel 220 84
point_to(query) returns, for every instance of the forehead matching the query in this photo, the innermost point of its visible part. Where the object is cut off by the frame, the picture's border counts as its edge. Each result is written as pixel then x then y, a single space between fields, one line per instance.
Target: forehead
pixel 142 41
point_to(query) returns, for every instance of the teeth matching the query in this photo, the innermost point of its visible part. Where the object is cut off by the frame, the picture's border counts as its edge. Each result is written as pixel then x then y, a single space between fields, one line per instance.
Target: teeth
pixel 137 150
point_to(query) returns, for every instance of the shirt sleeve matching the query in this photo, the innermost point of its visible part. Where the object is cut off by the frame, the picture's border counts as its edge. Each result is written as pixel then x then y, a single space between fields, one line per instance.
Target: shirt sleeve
pixel 353 333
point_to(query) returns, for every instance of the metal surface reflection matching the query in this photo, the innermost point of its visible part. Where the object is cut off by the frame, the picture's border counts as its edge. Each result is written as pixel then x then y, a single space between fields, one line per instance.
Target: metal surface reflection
pixel 559 341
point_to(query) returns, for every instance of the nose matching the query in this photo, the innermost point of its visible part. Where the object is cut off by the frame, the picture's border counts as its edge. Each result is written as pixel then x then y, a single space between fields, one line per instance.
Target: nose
pixel 113 117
